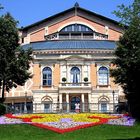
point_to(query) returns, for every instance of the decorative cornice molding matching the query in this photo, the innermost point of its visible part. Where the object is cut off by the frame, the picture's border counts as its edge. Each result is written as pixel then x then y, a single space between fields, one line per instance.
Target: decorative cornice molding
pixel 73 51
pixel 45 91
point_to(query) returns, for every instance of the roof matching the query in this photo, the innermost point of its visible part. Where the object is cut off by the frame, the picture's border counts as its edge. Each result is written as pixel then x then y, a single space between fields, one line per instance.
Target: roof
pixel 71 44
pixel 78 8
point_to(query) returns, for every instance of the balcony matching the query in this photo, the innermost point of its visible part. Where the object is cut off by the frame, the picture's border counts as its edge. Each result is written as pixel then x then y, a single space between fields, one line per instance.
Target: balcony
pixel 76 35
pixel 73 85
pixel 81 87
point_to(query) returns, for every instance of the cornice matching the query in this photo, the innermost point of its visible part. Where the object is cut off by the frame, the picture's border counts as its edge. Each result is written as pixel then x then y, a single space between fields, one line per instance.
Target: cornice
pixel 73 51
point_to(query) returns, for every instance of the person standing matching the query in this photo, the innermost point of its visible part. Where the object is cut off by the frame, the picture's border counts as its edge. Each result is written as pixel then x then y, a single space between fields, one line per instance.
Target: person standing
pixel 77 107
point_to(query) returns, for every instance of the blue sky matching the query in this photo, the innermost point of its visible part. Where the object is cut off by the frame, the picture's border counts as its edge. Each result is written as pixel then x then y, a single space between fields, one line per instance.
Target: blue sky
pixel 31 11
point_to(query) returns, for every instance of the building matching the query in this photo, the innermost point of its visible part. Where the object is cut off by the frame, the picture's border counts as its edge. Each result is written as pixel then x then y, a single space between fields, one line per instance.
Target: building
pixel 72 53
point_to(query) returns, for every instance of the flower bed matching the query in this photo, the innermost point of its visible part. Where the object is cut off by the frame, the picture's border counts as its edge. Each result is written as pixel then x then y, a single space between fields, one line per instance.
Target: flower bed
pixel 6 120
pixel 122 120
pixel 62 123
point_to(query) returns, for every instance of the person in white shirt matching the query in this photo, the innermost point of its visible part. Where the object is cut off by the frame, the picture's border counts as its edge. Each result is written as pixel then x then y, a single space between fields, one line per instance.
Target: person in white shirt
pixel 77 107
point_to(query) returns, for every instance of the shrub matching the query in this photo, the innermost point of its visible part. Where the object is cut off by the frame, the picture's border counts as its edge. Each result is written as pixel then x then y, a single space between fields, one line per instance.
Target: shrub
pixel 64 79
pixel 86 79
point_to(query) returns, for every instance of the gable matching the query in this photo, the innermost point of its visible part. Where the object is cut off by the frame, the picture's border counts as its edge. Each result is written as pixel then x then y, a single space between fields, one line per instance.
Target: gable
pixel 74 11
pixel 76 15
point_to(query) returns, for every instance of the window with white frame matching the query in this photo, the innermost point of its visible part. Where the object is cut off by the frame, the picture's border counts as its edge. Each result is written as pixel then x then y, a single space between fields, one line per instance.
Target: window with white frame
pixel 75 75
pixel 103 76
pixel 103 107
pixel 47 76
pixel 76 28
pixel 103 104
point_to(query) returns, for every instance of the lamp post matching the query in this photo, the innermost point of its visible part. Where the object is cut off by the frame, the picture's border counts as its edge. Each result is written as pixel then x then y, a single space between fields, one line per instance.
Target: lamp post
pixel 113 93
pixel 25 104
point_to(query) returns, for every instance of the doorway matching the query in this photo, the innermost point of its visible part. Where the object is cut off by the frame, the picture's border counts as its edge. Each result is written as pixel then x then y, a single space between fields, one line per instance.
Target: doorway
pixel 47 107
pixel 74 100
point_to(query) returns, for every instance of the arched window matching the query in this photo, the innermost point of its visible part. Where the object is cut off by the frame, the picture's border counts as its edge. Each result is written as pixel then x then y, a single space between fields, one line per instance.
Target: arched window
pixel 47 101
pixel 76 31
pixel 103 104
pixel 47 76
pixel 76 28
pixel 75 75
pixel 103 74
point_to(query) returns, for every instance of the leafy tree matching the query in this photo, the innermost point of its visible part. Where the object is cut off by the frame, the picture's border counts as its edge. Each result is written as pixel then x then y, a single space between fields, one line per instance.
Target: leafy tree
pixel 127 61
pixel 14 61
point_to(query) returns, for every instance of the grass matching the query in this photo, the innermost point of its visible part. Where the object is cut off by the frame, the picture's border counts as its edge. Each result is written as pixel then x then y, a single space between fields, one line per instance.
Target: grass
pixel 101 132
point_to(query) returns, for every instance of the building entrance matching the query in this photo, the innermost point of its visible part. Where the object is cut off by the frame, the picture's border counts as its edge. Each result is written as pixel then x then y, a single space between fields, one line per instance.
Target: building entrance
pixel 74 100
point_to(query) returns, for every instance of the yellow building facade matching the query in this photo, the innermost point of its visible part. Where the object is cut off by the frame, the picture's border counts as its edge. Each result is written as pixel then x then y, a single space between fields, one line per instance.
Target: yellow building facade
pixel 72 54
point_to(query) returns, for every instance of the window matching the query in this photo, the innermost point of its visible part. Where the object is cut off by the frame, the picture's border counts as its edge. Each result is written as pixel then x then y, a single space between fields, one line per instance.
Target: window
pixel 103 76
pixel 76 28
pixel 22 40
pixel 76 31
pixel 75 75
pixel 103 104
pixel 103 107
pixel 47 76
pixel 47 101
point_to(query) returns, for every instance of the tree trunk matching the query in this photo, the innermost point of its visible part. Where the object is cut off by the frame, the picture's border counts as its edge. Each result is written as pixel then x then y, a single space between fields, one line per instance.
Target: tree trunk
pixel 3 89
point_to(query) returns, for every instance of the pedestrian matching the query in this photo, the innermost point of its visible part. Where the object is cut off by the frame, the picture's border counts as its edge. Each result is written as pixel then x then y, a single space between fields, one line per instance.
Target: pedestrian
pixel 77 107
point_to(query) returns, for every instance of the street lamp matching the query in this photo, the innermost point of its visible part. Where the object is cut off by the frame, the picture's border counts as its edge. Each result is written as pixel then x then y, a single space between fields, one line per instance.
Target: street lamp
pixel 113 93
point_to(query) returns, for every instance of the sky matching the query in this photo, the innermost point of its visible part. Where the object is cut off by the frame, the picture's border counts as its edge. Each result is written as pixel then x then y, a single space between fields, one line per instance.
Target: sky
pixel 28 12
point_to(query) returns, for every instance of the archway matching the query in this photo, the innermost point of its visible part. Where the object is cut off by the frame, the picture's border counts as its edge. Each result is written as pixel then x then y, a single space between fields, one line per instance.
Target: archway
pixel 47 101
pixel 103 104
pixel 73 101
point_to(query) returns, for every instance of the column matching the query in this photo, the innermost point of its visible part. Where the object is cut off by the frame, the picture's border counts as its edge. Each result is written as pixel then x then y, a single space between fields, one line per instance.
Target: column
pixel 89 102
pixel 82 75
pixel 60 101
pixel 67 101
pixel 67 74
pixel 83 101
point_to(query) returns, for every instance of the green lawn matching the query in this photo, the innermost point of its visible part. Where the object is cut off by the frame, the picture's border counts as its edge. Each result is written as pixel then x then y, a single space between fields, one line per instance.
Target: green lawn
pixel 101 132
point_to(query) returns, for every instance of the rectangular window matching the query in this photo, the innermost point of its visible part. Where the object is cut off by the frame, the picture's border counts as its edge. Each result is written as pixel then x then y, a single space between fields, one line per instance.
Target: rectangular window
pixel 47 82
pixel 103 107
pixel 103 80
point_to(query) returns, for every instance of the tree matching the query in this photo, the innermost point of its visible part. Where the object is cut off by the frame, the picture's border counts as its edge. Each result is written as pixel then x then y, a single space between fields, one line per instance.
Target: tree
pixel 127 60
pixel 14 61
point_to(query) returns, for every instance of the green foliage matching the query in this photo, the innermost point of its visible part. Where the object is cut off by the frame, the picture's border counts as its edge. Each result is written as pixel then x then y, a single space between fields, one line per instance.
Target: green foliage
pixel 2 109
pixel 127 54
pixel 64 79
pixel 14 61
pixel 127 14
pixel 86 79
